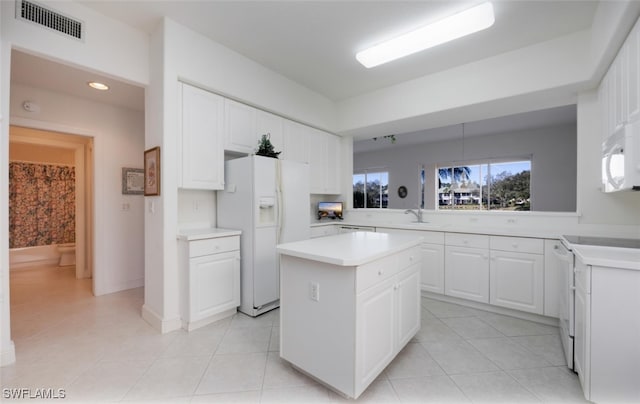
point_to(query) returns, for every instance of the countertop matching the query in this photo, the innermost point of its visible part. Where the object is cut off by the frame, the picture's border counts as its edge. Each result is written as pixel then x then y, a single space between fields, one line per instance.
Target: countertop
pixel 611 257
pixel 350 249
pixel 205 233
pixel 514 230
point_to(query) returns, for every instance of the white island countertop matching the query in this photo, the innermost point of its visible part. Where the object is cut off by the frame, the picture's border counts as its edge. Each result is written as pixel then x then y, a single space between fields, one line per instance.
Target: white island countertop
pixel 349 249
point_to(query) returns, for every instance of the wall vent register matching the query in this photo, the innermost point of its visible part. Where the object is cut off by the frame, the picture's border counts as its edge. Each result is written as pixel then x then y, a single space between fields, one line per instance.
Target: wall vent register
pixel 48 18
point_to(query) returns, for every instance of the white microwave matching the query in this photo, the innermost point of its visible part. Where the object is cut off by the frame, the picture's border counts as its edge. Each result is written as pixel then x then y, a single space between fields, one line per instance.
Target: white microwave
pixel 621 159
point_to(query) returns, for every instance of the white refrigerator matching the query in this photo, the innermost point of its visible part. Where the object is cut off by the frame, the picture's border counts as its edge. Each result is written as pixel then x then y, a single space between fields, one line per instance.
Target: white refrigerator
pixel 268 200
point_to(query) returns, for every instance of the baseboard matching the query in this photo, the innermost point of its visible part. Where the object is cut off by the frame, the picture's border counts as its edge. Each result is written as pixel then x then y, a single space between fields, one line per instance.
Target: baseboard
pixel 493 309
pixel 193 325
pixel 8 355
pixel 157 322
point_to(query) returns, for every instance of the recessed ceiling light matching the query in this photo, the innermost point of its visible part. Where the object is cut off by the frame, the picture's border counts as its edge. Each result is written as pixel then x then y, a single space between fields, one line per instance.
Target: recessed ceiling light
pixel 98 86
pixel 456 26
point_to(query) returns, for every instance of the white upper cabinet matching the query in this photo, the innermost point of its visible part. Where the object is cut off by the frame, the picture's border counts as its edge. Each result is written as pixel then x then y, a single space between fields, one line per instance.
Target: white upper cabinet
pixel 619 92
pixel 324 160
pixel 296 142
pixel 240 133
pixel 201 153
pixel 272 125
pixel 633 74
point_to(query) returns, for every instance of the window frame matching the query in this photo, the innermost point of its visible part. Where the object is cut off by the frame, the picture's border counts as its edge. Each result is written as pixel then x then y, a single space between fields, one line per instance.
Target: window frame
pixel 483 182
pixel 366 173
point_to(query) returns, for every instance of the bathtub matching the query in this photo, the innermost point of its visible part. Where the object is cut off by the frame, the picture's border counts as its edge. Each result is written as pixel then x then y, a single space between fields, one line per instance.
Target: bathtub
pixel 32 256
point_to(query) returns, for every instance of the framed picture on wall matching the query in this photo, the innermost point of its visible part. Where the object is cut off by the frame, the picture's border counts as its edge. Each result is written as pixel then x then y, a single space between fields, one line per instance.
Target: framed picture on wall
pixel 152 172
pixel 132 181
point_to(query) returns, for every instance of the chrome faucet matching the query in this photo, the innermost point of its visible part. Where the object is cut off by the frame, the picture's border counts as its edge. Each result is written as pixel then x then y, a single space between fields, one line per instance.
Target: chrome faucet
pixel 417 213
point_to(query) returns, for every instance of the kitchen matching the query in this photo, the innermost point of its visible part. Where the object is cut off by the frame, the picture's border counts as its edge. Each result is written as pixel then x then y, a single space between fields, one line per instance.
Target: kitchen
pixel 213 73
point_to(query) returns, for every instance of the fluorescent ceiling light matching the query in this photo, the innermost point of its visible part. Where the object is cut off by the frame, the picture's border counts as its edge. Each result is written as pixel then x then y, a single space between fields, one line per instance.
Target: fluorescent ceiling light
pixel 98 85
pixel 456 26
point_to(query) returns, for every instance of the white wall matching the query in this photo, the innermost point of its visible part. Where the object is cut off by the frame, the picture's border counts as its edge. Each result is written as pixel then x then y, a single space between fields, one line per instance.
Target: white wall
pixel 118 142
pixel 113 49
pixel 552 149
pixel 109 47
pixel 174 52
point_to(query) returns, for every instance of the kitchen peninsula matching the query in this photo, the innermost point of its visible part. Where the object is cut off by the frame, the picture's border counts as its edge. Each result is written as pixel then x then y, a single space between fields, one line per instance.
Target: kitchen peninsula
pixel 349 303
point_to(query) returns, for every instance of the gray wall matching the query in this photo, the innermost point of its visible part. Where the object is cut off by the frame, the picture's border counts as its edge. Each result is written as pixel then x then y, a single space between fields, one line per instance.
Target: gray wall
pixel 553 168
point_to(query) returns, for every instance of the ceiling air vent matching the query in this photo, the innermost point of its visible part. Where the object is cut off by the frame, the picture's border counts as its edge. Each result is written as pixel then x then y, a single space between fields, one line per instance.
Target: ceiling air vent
pixel 30 11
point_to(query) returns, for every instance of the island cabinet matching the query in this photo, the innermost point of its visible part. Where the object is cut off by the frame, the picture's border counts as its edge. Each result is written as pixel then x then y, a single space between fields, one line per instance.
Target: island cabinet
pixel 209 275
pixel 349 304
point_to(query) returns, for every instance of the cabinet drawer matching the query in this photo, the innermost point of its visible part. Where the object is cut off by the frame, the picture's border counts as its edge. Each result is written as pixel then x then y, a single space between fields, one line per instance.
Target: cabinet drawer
pixel 467 240
pixel 408 258
pixel 517 244
pixel 209 246
pixel 370 274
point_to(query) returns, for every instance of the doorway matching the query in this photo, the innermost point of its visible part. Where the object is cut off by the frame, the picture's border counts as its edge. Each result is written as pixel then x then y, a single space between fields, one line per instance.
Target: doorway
pixel 42 148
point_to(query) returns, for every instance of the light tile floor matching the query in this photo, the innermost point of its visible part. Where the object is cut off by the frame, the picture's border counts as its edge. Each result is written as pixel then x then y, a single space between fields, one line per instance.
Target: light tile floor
pixel 98 349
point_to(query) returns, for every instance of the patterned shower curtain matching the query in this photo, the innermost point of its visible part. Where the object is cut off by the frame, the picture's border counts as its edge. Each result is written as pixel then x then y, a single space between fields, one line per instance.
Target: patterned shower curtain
pixel 42 200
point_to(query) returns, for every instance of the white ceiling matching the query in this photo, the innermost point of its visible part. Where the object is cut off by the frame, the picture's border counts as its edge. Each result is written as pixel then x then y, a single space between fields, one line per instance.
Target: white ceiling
pixel 314 42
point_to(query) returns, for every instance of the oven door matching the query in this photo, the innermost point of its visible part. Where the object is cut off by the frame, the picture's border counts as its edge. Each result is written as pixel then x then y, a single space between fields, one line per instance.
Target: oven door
pixel 564 260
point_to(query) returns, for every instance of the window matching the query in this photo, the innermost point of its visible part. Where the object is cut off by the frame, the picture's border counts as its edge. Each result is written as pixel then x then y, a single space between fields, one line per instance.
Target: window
pixel 487 185
pixel 371 190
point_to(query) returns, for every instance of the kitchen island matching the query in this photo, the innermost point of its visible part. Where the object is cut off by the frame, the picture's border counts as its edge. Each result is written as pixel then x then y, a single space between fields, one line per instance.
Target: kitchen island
pixel 348 304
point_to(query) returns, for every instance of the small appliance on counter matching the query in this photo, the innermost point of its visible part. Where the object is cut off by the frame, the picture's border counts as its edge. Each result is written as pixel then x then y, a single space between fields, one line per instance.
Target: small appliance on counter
pixel 330 210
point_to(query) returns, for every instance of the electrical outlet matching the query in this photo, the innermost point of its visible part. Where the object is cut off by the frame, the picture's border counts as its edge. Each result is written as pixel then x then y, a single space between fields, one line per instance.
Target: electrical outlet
pixel 314 291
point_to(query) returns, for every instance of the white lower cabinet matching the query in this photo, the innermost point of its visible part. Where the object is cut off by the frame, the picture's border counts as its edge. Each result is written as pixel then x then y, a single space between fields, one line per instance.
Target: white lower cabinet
pixel 467 273
pixel 432 252
pixel 209 280
pixel 467 266
pixel 607 331
pixel 432 275
pixel 516 273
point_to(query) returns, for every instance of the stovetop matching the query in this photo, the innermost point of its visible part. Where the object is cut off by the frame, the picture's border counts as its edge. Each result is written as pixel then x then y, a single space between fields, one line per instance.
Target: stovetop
pixel 604 241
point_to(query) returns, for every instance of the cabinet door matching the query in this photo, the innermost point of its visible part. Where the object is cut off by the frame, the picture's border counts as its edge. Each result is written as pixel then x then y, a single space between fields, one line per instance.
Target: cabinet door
pixel 267 123
pixel 582 336
pixel 202 155
pixel 240 127
pixel 633 74
pixel 317 161
pixel 467 273
pixel 555 262
pixel 214 284
pixel 408 305
pixel 333 165
pixel 375 332
pixel 296 142
pixel 432 274
pixel 517 281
